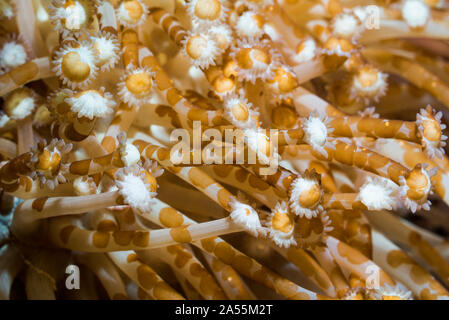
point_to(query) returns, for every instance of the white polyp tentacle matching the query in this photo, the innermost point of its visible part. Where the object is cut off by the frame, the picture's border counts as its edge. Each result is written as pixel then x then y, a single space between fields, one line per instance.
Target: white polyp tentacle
pixel 107 49
pixel 416 13
pixel 247 217
pixel 133 186
pixel 316 133
pixel 13 53
pixel 91 103
pixel 378 194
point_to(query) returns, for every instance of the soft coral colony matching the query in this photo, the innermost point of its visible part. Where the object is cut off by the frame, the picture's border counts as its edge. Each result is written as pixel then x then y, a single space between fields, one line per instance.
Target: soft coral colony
pixel 350 89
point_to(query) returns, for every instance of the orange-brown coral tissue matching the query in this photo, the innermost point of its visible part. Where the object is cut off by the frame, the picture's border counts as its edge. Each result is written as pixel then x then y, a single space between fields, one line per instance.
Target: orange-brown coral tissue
pixel 224 149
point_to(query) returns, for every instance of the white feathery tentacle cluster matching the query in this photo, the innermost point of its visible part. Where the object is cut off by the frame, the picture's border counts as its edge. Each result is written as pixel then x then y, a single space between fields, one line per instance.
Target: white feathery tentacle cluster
pixel 378 194
pixel 107 50
pixel 430 132
pixel 132 186
pixel 347 25
pixel 91 103
pixel 416 13
pixel 316 133
pixel 13 53
pixel 247 217
pixel 84 185
pixel 250 25
pixel 416 197
pixel 71 18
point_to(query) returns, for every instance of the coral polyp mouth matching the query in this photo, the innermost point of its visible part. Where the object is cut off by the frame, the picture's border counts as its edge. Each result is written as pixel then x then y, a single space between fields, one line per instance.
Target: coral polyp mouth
pixel 216 149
